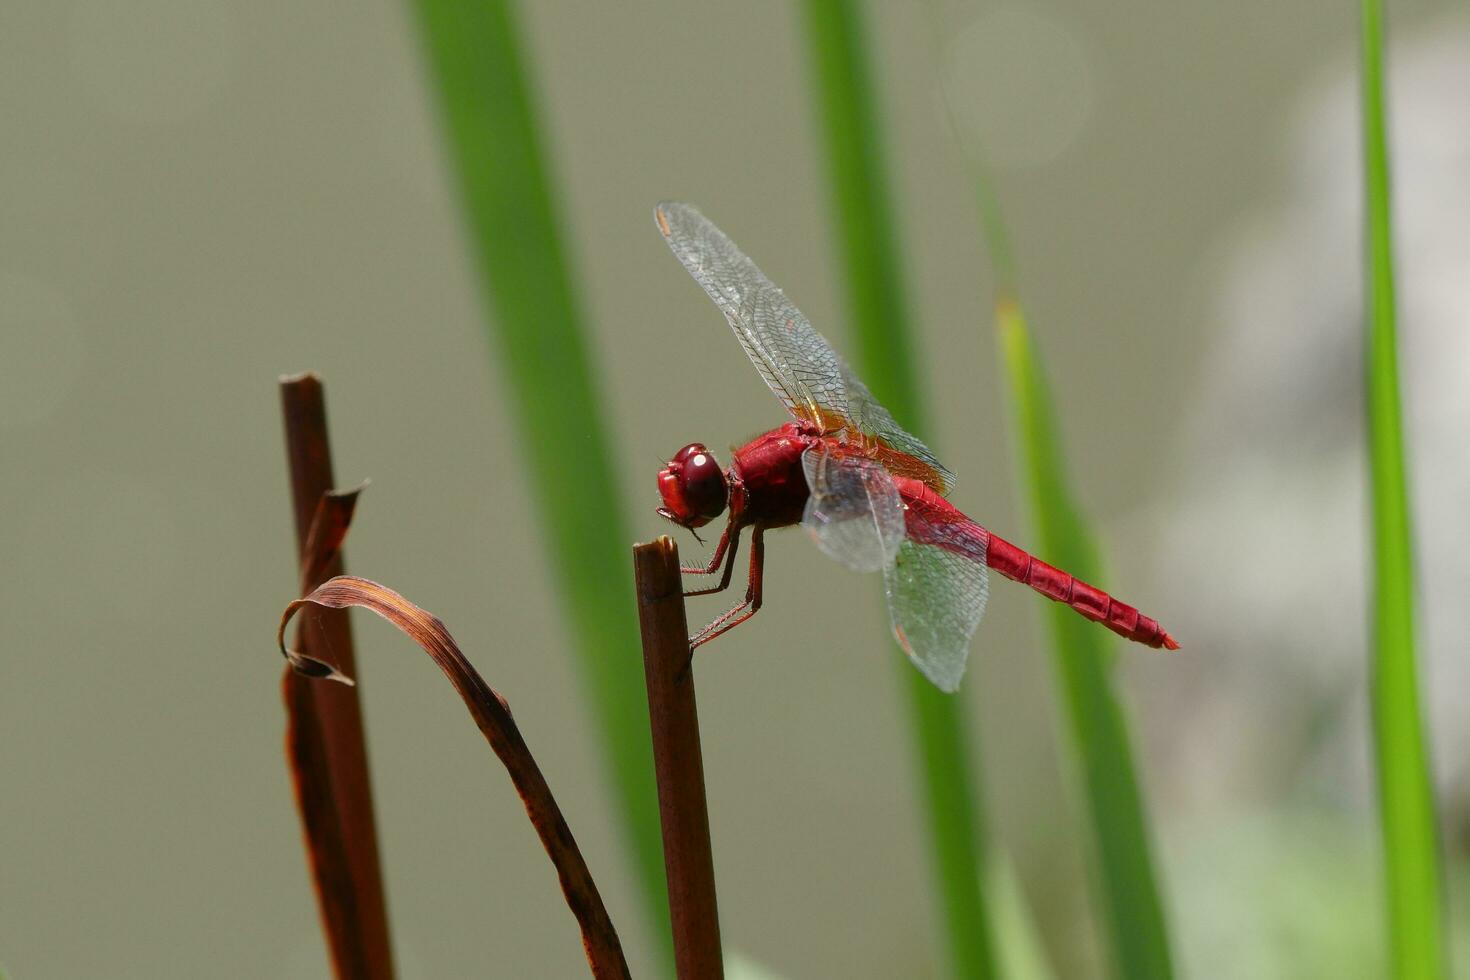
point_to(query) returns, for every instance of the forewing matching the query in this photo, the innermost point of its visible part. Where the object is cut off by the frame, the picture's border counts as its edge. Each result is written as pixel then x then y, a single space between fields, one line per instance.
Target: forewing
pixel 854 512
pixel 936 597
pixel 901 452
pixel 796 362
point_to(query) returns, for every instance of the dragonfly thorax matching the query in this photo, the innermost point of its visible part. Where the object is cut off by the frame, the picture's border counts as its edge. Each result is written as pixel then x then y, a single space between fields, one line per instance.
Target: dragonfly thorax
pixel 693 487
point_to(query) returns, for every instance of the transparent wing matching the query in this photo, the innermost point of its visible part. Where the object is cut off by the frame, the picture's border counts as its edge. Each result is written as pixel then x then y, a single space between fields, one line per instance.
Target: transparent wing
pixel 936 598
pixel 798 364
pixel 795 361
pixel 901 452
pixel 854 513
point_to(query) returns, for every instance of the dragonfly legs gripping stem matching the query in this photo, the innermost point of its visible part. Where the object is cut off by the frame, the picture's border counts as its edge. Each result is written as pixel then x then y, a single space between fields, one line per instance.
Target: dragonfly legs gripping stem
pixel 744 610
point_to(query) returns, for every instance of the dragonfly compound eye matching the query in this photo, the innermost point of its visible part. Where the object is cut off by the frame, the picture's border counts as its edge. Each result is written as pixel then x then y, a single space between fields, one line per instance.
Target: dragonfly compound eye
pixel 693 487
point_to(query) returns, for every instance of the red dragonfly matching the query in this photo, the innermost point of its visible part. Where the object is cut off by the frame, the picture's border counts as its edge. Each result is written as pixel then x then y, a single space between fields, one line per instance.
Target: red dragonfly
pixel 871 495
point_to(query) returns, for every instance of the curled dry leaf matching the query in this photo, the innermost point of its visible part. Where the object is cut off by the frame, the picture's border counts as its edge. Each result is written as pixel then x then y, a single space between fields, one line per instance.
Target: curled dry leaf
pixel 319 552
pixel 492 715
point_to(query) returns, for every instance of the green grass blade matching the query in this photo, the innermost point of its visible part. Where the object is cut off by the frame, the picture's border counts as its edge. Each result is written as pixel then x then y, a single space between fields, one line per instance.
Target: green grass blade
pixel 885 361
pixel 1097 729
pixel 1406 799
pixel 1019 948
pixel 1133 916
pixel 536 327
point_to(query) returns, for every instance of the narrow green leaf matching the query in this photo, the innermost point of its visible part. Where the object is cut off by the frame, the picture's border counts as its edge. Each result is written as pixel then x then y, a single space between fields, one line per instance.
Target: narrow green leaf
pixel 1405 796
pixel 1133 917
pixel 885 361
pixel 1019 947
pixel 494 142
pixel 1082 652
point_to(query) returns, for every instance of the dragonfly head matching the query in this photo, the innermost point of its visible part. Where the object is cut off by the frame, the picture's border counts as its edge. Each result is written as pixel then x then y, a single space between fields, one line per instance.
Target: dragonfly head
pixel 693 487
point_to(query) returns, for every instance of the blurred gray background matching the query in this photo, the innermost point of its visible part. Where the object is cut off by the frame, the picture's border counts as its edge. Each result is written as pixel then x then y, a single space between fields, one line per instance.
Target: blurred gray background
pixel 197 196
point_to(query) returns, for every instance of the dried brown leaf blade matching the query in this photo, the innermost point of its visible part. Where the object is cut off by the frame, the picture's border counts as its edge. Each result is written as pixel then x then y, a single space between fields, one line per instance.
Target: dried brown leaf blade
pixel 320 552
pixel 328 530
pixel 492 715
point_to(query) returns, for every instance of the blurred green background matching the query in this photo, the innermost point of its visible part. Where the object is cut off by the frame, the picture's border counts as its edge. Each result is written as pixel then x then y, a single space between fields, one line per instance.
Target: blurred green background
pixel 196 197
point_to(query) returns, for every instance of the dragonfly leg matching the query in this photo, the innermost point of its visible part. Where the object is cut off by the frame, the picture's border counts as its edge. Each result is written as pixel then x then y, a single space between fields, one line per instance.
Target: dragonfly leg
pixel 740 613
pixel 724 552
pixel 714 559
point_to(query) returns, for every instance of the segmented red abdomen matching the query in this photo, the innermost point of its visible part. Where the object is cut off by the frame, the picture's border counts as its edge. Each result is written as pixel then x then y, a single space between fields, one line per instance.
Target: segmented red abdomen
pixel 934 520
pixel 1091 602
